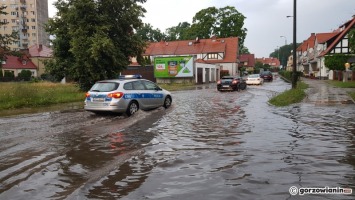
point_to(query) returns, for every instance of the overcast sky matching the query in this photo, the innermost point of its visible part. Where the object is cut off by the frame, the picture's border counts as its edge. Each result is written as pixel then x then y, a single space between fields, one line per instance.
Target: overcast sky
pixel 265 20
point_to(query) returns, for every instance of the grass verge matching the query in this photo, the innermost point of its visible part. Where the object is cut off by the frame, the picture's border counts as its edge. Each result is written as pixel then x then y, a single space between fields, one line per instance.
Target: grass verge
pixel 340 84
pixel 177 86
pixel 290 96
pixel 23 95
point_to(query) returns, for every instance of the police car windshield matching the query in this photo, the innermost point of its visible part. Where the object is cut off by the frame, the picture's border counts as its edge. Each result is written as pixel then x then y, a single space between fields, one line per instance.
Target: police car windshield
pixel 104 87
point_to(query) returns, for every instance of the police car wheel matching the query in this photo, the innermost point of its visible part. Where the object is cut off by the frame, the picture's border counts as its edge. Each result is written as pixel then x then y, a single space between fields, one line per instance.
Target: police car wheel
pixel 132 108
pixel 167 102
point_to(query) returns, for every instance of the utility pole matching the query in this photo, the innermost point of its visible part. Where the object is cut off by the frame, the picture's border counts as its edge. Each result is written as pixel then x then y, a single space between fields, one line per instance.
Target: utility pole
pixel 294 69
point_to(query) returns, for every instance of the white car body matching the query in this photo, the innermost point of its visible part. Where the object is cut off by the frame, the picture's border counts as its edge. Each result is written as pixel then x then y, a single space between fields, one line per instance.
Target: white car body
pixel 254 79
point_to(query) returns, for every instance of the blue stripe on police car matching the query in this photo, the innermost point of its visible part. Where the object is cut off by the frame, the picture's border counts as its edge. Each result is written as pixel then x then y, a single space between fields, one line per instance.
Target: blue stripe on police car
pixel 142 96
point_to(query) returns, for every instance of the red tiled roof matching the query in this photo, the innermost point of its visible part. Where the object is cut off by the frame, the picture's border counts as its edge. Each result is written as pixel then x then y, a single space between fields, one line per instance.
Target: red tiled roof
pixel 249 58
pixel 268 61
pixel 311 40
pixel 229 46
pixel 324 37
pixel 303 46
pixel 40 51
pixel 13 62
pixel 348 25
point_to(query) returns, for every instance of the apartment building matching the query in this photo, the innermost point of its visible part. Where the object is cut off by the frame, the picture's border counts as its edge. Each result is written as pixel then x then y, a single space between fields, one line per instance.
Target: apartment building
pixel 27 17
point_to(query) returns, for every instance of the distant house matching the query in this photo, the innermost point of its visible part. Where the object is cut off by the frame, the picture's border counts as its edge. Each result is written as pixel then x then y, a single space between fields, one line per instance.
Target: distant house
pixel 39 53
pixel 15 65
pixel 312 52
pixel 210 57
pixel 273 62
pixel 247 61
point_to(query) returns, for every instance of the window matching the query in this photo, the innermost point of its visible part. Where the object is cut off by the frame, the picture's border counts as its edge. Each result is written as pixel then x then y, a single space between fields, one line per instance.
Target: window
pixel 137 85
pixel 33 34
pixel 13 21
pixel 33 12
pixel 212 56
pixel 105 87
pixel 150 85
pixel 33 27
pixel 128 86
pixel 33 20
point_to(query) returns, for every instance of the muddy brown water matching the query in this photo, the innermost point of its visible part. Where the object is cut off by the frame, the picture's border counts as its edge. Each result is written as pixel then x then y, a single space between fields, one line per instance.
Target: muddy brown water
pixel 208 145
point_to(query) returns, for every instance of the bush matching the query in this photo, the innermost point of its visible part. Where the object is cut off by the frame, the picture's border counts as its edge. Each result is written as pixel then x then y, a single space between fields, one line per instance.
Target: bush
pixel 25 75
pixel 9 76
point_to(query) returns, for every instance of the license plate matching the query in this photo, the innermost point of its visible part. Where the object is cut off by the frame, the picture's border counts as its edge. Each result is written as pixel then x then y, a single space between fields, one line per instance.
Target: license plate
pixel 225 85
pixel 98 99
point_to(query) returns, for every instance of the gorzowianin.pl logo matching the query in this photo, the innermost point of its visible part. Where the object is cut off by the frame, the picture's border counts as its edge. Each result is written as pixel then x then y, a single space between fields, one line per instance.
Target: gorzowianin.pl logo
pixel 319 190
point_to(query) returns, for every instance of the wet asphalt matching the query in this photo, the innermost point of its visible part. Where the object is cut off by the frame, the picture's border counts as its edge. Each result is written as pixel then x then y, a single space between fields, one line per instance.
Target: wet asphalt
pixel 208 145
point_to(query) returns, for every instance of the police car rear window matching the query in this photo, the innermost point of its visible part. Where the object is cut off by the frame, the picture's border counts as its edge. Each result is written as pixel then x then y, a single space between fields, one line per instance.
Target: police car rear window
pixel 105 86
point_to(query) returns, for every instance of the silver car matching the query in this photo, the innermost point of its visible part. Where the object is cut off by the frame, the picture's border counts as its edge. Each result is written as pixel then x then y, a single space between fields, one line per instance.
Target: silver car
pixel 126 96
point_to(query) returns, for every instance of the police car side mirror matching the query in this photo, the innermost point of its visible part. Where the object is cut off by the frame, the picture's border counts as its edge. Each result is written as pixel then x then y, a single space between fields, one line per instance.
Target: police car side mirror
pixel 158 88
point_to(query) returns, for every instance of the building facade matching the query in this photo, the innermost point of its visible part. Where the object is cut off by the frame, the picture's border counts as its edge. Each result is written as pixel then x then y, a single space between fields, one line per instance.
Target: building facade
pixel 311 54
pixel 210 57
pixel 27 18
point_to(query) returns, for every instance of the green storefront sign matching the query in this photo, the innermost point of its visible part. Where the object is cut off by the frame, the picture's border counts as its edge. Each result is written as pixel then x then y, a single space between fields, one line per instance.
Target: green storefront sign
pixel 168 67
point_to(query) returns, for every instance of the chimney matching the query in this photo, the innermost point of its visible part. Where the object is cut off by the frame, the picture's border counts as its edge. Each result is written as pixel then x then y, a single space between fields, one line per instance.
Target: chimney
pixel 40 47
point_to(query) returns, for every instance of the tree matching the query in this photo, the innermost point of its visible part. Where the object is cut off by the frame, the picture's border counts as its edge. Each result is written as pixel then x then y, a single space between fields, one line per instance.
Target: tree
pixel 147 33
pixel 179 32
pixel 6 39
pixel 95 39
pixel 244 50
pixel 282 53
pixel 223 22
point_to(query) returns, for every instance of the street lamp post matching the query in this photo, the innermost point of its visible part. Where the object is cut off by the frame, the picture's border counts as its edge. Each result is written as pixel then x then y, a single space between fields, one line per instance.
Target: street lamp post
pixel 285 39
pixel 294 67
pixel 284 63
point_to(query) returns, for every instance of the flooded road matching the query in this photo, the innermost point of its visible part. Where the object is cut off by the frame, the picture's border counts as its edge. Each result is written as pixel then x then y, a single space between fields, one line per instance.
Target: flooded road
pixel 208 145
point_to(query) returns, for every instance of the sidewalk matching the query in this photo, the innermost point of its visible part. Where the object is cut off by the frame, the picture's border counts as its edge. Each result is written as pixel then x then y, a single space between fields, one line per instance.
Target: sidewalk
pixel 322 93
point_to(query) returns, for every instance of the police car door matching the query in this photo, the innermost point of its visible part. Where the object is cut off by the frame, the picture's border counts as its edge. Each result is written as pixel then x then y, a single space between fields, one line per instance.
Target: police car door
pixel 155 93
pixel 140 94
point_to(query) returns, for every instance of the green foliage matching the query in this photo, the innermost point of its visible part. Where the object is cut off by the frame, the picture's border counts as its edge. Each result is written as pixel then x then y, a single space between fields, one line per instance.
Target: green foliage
pixel 19 95
pixel 287 75
pixel 179 32
pixel 336 61
pixel 283 52
pixel 147 33
pixel 290 96
pixel 25 75
pixel 341 84
pixel 9 74
pixel 6 39
pixel 94 39
pixel 352 41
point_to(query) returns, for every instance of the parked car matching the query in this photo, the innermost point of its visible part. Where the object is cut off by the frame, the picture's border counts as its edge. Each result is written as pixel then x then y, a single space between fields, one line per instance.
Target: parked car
pixel 126 95
pixel 254 79
pixel 231 83
pixel 267 76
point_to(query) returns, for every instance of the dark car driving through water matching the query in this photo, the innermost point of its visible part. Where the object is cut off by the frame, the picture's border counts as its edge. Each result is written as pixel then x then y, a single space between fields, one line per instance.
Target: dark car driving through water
pixel 233 83
pixel 267 76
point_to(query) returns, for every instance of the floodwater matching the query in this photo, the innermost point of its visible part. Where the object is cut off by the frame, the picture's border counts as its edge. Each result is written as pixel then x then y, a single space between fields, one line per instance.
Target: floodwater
pixel 208 145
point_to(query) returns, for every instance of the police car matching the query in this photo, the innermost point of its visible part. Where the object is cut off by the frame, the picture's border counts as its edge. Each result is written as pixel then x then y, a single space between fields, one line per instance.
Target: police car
pixel 126 94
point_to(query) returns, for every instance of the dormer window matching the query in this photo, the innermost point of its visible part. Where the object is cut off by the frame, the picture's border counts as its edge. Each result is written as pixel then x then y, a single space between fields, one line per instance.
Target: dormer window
pixel 212 56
